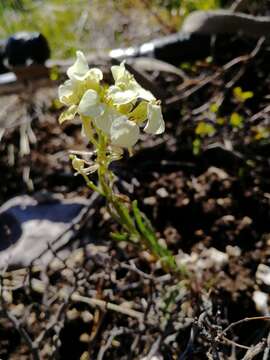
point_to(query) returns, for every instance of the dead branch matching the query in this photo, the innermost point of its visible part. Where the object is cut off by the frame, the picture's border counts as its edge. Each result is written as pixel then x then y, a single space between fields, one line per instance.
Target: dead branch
pixel 255 350
pixel 203 82
pixel 242 321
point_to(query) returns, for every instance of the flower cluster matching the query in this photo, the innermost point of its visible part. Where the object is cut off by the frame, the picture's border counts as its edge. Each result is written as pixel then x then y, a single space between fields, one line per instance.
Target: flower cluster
pixel 118 111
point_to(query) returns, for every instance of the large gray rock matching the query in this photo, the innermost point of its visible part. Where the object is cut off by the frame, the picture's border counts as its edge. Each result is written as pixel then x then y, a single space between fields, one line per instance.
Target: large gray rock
pixel 214 22
pixel 29 224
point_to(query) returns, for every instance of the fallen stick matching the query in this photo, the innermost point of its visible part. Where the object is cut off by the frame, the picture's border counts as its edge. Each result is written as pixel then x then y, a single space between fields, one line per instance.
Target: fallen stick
pixel 104 305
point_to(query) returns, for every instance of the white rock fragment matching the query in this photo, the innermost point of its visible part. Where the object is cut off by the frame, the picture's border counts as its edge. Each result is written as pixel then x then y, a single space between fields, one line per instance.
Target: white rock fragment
pixel 218 258
pixel 162 192
pixel 183 259
pixel 261 301
pixel 207 259
pixel 263 274
pixel 212 258
pixel 233 251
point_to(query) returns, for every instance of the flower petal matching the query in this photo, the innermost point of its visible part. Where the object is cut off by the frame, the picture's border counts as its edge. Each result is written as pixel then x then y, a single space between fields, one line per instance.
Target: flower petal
pixel 155 123
pixel 68 114
pixel 78 70
pixel 124 133
pixel 65 92
pixel 145 94
pixel 95 75
pixel 121 97
pixel 77 163
pixel 90 105
pixel 104 122
pixel 119 72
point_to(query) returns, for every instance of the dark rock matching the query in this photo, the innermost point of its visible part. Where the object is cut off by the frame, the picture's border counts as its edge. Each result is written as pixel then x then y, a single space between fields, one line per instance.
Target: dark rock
pixel 23 47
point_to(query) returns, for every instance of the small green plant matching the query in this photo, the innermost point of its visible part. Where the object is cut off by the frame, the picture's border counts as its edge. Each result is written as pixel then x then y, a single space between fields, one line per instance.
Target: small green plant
pixel 241 96
pixel 112 117
pixel 204 129
pixel 236 120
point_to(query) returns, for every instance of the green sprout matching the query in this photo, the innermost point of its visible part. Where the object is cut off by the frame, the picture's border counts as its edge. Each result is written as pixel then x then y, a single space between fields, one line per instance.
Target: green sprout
pixel 204 129
pixel 241 96
pixel 236 120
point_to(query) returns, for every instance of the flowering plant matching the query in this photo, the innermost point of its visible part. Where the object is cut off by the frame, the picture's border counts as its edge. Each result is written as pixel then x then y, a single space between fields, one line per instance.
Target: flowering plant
pixel 112 117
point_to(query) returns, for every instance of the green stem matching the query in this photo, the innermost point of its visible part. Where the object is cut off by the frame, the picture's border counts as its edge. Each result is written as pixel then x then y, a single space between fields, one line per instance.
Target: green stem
pixel 116 208
pixel 91 185
pixel 138 229
pixel 125 219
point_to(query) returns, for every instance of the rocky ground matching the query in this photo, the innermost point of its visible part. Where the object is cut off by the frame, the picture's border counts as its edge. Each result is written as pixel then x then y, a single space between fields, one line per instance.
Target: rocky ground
pixel 204 185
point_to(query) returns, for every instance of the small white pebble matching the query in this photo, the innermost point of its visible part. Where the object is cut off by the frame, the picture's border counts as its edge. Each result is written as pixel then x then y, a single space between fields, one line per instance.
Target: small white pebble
pixel 233 251
pixel 162 192
pixel 151 200
pixel 73 314
pixel 86 316
pixel 263 274
pixel 261 301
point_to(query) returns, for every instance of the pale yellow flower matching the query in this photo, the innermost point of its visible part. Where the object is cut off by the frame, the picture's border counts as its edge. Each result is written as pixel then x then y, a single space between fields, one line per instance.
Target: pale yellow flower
pixel 126 88
pixel 124 133
pixel 118 111
pixel 90 104
pixel 81 81
pixel 155 124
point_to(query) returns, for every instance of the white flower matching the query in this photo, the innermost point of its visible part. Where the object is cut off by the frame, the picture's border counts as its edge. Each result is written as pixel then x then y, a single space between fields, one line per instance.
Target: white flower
pixel 81 78
pixel 151 112
pixel 120 73
pixel 127 91
pixel 66 93
pixel 124 133
pixel 155 124
pixel 81 89
pixel 90 104
pixel 122 96
pixel 126 88
pixel 118 111
pixel 104 122
pixel 79 71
